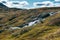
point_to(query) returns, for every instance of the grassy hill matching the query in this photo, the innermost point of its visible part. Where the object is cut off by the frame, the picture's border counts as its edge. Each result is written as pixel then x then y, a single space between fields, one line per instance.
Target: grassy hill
pixel 49 29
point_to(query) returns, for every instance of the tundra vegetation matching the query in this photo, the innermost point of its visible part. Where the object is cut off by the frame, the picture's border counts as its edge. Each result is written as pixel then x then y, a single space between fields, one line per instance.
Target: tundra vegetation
pixel 14 24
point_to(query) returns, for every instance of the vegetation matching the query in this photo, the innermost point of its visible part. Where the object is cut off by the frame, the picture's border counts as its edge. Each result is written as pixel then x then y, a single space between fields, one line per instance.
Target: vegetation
pixel 48 30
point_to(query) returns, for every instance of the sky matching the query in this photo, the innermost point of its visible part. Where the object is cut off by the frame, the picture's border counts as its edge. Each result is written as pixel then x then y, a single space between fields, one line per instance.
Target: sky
pixel 30 4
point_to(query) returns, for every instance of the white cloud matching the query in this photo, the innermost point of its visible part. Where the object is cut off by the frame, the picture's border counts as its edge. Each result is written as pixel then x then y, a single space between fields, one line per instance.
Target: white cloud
pixel 48 3
pixel 3 0
pixel 9 4
pixel 45 4
pixel 57 4
pixel 24 3
pixel 57 0
pixel 21 4
pixel 35 3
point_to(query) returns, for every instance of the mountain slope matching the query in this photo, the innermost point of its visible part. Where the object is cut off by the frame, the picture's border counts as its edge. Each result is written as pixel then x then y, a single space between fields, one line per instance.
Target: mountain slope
pixel 43 30
pixel 16 14
pixel 2 5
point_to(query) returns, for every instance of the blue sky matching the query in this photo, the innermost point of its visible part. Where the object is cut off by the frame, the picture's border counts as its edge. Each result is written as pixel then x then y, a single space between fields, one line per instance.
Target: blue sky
pixel 29 4
pixel 32 1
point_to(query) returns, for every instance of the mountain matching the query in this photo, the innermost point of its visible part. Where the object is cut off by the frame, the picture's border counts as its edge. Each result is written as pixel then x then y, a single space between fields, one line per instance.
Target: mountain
pixel 32 24
pixel 2 5
pixel 5 8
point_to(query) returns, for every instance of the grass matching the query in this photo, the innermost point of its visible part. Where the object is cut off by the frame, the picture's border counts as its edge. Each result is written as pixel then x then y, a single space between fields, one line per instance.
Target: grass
pixel 40 31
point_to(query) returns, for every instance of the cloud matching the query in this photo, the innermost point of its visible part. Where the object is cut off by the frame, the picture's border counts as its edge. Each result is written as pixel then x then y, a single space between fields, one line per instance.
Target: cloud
pixel 43 4
pixel 3 0
pixel 57 4
pixel 38 4
pixel 57 0
pixel 19 4
pixel 24 3
pixel 8 4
